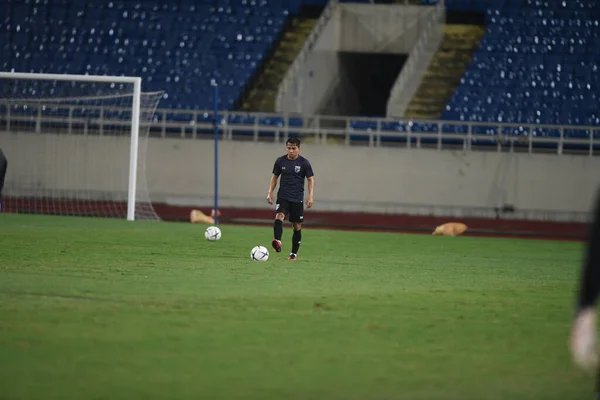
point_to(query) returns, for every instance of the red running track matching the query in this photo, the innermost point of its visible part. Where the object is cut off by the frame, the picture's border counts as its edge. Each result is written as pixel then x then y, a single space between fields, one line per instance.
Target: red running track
pixel 316 219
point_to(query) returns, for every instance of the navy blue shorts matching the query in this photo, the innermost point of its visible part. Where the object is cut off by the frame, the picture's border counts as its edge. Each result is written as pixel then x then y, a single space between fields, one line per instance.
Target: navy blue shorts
pixel 294 211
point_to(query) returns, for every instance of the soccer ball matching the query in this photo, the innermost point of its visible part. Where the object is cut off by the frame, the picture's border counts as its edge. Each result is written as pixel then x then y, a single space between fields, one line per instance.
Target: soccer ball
pixel 259 253
pixel 212 233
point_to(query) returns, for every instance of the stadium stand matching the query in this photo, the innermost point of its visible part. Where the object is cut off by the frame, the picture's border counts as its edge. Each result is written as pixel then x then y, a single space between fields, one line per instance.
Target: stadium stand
pixel 537 63
pixel 178 47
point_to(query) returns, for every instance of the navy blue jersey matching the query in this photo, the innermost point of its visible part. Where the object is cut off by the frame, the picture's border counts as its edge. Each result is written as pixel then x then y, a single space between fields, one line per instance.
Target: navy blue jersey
pixel 293 172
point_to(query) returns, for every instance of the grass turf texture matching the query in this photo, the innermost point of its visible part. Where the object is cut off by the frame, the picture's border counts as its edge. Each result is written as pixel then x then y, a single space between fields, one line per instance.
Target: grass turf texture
pixel 94 308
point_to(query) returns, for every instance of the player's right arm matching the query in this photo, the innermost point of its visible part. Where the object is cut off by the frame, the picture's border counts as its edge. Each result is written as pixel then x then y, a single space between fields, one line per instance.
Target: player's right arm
pixel 273 183
pixel 272 186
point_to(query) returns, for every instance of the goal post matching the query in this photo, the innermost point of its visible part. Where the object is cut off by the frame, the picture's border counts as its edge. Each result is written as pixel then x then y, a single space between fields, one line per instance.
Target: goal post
pixel 133 150
pixel 57 121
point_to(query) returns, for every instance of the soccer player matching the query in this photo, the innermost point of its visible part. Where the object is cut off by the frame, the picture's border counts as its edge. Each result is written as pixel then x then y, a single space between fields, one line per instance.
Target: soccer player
pixel 3 167
pixel 583 333
pixel 293 169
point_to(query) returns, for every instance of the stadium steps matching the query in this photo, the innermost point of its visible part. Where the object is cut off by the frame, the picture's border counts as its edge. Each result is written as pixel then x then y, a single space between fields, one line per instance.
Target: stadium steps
pixel 445 71
pixel 262 91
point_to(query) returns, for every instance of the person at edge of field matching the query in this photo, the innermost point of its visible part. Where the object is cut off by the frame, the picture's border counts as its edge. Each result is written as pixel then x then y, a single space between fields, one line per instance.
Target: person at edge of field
pixel 3 167
pixel 582 343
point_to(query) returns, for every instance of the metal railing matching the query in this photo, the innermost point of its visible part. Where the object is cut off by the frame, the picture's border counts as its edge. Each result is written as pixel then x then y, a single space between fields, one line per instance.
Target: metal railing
pixel 317 129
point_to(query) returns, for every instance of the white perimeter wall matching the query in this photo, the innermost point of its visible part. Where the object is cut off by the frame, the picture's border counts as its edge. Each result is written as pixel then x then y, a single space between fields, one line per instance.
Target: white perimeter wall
pixel 347 178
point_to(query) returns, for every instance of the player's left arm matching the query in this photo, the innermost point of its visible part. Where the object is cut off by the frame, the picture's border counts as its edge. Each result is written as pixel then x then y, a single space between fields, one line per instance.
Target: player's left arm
pixel 310 177
pixel 311 187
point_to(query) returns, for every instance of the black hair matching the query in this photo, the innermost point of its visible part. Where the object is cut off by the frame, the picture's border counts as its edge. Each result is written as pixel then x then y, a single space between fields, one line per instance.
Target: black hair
pixel 293 141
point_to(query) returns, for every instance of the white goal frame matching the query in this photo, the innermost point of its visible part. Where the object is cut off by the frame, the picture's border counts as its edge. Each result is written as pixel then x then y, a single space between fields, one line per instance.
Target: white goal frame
pixel 135 117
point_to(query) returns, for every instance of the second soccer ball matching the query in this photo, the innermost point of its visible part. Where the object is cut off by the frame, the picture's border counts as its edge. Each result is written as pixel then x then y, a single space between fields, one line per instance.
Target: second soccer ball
pixel 212 233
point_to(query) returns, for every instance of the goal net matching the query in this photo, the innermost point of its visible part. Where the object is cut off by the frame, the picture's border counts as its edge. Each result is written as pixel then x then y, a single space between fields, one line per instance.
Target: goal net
pixel 76 145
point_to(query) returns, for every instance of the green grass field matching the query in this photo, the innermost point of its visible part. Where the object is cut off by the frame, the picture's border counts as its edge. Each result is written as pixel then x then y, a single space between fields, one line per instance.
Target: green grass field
pixel 107 309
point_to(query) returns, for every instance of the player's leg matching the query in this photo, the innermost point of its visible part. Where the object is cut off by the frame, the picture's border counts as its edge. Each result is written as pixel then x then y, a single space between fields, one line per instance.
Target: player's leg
pixel 281 211
pixel 3 168
pixel 277 231
pixel 296 218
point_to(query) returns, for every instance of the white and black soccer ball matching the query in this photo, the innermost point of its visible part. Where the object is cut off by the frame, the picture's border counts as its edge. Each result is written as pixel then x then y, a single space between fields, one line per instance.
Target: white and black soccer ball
pixel 212 233
pixel 259 253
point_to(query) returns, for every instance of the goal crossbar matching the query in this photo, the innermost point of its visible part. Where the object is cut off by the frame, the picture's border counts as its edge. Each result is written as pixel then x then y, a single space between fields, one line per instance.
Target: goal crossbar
pixel 70 77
